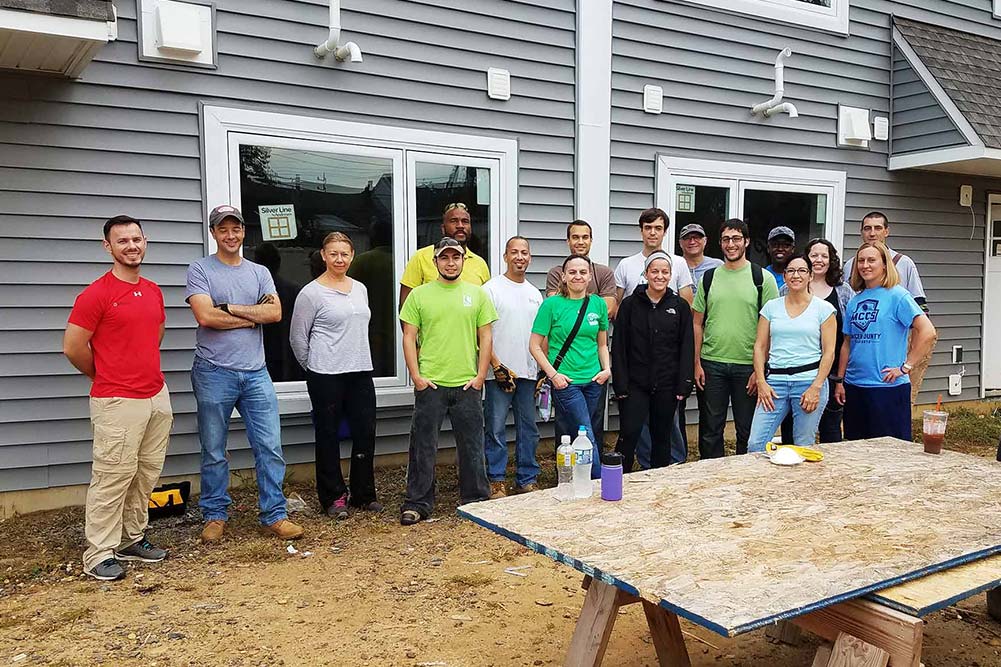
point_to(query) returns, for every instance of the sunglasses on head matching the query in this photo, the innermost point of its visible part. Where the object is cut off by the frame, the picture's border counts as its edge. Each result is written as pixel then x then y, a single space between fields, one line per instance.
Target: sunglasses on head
pixel 458 205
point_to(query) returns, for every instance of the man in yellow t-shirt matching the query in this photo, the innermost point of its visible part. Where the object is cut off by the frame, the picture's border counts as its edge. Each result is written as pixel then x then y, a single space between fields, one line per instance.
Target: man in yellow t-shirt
pixel 421 268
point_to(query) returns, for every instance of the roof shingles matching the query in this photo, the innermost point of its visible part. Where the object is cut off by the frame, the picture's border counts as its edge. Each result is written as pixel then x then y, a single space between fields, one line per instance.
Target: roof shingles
pixel 967 67
pixel 97 10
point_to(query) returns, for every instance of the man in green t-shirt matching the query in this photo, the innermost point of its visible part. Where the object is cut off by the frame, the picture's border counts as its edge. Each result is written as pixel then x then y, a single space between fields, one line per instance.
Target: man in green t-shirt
pixel 447 346
pixel 726 324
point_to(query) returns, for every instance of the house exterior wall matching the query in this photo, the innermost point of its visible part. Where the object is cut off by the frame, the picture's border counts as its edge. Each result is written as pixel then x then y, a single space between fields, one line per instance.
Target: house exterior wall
pixel 714 66
pixel 918 121
pixel 125 138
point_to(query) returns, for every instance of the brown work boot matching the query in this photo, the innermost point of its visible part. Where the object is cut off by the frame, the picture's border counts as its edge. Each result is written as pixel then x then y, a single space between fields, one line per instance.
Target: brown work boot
pixel 212 532
pixel 285 529
pixel 497 490
pixel 528 488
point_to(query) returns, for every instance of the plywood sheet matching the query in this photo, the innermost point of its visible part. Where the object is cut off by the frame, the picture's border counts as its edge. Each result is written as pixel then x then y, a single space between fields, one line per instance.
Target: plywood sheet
pixel 941 589
pixel 733 544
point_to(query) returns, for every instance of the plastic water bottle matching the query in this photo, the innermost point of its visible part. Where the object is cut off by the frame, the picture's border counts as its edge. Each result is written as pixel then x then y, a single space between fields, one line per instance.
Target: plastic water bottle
pixel 582 465
pixel 564 469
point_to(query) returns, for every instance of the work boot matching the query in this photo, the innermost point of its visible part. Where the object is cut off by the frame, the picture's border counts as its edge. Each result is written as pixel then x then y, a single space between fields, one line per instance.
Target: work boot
pixel 212 532
pixel 285 529
pixel 528 488
pixel 497 490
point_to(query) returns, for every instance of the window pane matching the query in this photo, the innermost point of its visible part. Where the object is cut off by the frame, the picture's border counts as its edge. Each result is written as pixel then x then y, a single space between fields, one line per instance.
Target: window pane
pixel 706 205
pixel 819 3
pixel 305 195
pixel 439 185
pixel 805 213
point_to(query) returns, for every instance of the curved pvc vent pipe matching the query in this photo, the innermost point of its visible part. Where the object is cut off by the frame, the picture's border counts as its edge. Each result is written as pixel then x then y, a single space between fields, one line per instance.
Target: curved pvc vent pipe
pixel 775 105
pixel 342 52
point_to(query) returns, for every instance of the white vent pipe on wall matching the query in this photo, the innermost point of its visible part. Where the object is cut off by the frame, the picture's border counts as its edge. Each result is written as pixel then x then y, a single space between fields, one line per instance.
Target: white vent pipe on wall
pixel 776 105
pixel 342 52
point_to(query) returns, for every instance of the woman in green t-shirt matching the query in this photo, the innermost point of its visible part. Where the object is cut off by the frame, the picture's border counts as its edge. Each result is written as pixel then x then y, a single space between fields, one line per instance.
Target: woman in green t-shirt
pixel 578 374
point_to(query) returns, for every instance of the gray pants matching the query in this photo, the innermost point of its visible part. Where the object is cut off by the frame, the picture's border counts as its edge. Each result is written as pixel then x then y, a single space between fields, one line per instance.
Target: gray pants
pixel 465 410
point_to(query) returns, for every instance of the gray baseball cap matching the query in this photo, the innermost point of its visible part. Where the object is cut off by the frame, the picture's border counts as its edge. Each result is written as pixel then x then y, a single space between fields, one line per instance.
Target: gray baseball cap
pixel 220 213
pixel 693 228
pixel 782 231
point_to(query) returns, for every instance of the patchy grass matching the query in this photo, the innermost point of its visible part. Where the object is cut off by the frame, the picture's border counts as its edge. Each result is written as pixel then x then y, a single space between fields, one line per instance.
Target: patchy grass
pixel 62 619
pixel 970 431
pixel 470 580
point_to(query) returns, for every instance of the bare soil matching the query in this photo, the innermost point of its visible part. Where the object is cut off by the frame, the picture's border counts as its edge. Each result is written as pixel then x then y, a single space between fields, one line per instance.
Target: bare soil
pixel 365 591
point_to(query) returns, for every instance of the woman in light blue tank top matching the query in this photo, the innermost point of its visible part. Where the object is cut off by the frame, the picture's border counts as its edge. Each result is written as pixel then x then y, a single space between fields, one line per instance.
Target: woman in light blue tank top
pixel 793 354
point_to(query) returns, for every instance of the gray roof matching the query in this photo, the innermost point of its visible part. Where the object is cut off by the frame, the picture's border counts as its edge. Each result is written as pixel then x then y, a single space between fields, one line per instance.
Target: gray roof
pixel 967 67
pixel 98 10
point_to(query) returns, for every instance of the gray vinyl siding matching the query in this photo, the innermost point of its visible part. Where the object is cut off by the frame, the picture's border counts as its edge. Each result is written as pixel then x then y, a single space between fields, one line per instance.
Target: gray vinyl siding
pixel 917 121
pixel 124 138
pixel 714 66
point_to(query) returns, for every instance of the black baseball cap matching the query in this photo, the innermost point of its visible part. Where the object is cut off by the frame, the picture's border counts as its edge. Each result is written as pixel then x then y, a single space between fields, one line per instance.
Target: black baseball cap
pixel 220 213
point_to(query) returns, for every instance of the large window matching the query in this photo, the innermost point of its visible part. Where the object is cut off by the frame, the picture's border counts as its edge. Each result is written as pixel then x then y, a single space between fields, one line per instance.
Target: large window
pixel 298 179
pixel 809 201
pixel 827 15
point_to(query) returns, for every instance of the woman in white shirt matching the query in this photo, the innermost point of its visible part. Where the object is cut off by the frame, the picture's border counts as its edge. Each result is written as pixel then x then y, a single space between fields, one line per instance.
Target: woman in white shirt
pixel 329 336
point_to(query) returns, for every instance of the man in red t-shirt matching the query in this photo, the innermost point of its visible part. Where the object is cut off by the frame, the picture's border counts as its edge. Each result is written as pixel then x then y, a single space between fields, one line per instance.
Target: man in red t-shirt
pixel 113 337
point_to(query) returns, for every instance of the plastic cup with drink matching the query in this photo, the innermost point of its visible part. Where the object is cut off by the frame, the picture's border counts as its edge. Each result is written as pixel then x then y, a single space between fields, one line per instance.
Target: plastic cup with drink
pixel 933 431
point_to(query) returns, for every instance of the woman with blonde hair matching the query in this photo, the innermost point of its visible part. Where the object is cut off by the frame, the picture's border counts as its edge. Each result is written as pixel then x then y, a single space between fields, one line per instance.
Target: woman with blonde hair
pixel 575 326
pixel 329 336
pixel 875 357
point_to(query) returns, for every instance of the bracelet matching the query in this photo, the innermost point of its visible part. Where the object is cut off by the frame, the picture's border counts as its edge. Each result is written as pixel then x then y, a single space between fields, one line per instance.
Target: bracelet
pixel 836 379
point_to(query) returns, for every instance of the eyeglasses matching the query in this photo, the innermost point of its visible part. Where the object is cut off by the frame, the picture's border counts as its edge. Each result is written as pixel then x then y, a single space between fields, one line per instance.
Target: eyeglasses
pixel 730 239
pixel 458 205
pixel 797 272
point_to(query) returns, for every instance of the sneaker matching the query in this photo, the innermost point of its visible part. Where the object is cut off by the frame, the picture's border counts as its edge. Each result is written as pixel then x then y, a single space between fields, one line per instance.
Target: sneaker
pixel 410 517
pixel 528 488
pixel 285 529
pixel 107 570
pixel 212 532
pixel 339 509
pixel 141 551
pixel 497 490
pixel 374 506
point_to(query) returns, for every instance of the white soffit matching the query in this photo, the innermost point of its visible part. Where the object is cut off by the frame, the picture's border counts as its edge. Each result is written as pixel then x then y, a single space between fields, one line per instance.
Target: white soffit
pixel 48 44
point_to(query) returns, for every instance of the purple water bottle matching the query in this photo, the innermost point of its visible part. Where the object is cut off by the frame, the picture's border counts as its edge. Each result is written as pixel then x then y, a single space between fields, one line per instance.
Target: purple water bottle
pixel 611 476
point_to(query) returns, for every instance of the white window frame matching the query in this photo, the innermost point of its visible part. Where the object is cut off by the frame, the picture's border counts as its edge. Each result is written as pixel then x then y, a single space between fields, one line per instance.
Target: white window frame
pixel 225 128
pixel 828 19
pixel 741 176
pixel 997 9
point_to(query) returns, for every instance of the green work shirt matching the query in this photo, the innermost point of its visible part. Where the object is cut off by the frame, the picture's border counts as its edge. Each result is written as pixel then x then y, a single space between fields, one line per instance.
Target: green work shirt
pixel 555 320
pixel 728 336
pixel 447 317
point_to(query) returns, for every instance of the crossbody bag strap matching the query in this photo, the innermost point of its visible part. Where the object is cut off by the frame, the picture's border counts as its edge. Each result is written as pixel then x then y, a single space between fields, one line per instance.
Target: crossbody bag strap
pixel 573 334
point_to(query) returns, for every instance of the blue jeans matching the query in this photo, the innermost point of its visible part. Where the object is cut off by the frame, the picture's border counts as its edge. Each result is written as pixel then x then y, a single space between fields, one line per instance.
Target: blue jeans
pixel 787 395
pixel 580 405
pixel 495 409
pixel 217 391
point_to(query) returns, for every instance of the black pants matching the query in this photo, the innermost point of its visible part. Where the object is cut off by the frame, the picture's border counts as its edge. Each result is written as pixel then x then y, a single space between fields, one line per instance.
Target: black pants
pixel 336 397
pixel 726 385
pixel 830 422
pixel 659 407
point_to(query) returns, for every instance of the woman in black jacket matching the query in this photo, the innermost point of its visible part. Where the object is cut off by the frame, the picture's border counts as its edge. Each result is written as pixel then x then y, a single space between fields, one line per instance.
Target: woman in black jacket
pixel 653 361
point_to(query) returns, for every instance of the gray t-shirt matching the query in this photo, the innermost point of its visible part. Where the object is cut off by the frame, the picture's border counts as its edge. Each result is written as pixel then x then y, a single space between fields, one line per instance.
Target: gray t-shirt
pixel 700 270
pixel 329 330
pixel 243 284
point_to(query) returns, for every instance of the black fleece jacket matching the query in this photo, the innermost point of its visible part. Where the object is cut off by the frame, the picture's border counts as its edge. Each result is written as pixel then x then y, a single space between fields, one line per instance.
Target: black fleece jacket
pixel 653 345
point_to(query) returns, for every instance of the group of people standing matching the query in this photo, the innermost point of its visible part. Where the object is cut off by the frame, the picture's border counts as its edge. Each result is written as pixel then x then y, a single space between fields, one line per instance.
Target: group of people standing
pixel 477 347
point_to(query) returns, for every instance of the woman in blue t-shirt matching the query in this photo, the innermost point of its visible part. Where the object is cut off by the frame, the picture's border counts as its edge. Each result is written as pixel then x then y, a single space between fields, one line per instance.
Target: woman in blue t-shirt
pixel 875 359
pixel 793 354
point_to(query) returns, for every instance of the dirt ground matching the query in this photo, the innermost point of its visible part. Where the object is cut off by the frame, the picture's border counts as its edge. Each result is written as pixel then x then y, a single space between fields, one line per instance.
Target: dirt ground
pixel 365 591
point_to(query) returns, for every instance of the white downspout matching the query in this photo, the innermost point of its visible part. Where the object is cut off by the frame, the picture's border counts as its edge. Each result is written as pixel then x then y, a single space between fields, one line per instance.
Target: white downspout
pixel 779 84
pixel 342 52
pixel 785 107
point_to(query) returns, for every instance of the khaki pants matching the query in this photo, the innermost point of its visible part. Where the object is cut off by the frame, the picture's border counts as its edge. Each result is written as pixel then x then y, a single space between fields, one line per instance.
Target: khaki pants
pixel 917 374
pixel 130 444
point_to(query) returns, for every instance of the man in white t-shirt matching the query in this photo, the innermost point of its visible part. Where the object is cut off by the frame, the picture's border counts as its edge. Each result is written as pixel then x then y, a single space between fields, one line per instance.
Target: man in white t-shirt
pixel 629 272
pixel 876 229
pixel 513 386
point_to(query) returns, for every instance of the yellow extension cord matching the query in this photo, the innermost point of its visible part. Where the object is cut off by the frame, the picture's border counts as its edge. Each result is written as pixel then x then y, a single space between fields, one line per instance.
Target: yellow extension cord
pixel 807 453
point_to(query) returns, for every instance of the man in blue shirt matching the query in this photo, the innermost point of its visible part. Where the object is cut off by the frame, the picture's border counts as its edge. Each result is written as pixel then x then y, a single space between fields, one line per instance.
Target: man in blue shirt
pixel 781 246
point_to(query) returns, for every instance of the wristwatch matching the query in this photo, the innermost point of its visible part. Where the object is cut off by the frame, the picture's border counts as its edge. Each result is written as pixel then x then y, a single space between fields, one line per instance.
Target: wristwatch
pixel 835 379
pixel 906 368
